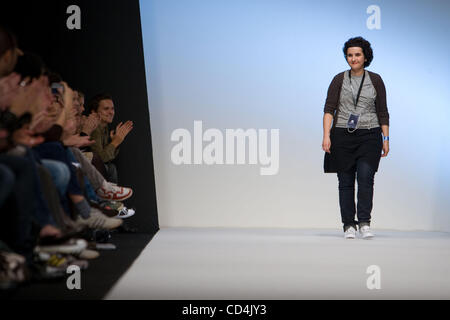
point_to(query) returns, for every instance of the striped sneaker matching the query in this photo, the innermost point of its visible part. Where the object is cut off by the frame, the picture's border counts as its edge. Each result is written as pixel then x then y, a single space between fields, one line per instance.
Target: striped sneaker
pixel 98 220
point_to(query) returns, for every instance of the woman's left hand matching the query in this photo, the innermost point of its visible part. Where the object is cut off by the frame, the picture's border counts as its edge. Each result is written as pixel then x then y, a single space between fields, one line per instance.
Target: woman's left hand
pixel 385 149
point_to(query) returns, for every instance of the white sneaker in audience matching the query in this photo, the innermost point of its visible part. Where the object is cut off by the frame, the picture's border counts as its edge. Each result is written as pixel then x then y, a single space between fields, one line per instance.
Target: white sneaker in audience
pixel 88 254
pixel 98 220
pixel 125 213
pixel 72 246
pixel 112 192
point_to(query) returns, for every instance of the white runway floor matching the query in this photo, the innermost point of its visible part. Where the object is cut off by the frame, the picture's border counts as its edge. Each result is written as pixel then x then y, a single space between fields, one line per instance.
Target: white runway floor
pixel 273 264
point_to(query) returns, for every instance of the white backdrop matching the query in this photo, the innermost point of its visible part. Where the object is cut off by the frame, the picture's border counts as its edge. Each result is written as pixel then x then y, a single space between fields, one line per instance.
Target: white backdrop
pixel 267 65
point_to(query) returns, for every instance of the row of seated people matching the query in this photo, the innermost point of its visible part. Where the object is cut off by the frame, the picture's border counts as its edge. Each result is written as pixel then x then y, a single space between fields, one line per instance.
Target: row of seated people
pixel 59 190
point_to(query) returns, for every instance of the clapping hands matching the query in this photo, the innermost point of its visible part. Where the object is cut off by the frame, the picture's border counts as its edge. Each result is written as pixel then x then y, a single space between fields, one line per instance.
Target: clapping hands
pixel 78 141
pixel 122 130
pixel 89 124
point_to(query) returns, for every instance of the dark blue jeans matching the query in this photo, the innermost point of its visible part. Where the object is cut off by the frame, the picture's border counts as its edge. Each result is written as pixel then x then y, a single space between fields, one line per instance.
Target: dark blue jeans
pixel 365 175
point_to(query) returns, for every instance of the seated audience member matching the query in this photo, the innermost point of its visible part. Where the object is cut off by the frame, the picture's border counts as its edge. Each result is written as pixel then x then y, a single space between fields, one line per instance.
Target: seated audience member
pixel 41 164
pixel 104 190
pixel 98 190
pixel 107 142
pixel 85 124
pixel 9 81
pixel 23 209
pixel 59 150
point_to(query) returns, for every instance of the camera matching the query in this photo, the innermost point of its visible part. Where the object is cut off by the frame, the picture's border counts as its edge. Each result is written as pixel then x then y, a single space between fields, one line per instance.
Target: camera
pixel 57 88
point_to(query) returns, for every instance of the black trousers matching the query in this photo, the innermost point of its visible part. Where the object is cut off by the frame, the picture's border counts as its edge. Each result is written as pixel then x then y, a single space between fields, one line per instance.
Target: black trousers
pixel 364 175
pixel 111 173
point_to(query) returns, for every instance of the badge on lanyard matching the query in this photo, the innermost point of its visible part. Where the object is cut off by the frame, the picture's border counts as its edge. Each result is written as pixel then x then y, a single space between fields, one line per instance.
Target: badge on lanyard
pixel 353 121
pixel 354 118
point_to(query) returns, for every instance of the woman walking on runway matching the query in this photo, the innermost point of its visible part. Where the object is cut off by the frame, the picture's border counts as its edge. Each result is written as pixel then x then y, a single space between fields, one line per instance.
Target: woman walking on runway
pixel 355 132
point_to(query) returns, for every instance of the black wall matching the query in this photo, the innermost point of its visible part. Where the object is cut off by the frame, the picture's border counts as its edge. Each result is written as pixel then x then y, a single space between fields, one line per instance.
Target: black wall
pixel 106 55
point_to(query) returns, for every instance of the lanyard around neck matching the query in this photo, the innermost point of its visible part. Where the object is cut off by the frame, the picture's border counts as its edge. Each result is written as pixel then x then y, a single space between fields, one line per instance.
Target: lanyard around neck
pixel 360 87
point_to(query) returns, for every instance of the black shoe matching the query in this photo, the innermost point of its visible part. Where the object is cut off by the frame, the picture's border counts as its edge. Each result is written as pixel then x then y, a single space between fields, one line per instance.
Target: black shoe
pixel 126 229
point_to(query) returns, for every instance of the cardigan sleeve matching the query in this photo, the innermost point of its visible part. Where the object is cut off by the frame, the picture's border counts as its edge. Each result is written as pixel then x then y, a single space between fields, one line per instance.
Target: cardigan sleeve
pixel 380 101
pixel 333 94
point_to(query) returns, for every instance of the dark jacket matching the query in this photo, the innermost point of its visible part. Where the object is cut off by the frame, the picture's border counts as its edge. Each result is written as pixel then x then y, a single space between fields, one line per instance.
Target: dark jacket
pixel 102 146
pixel 334 93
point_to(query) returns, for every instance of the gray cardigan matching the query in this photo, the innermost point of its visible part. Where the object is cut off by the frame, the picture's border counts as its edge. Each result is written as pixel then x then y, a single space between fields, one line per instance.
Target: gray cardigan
pixel 334 93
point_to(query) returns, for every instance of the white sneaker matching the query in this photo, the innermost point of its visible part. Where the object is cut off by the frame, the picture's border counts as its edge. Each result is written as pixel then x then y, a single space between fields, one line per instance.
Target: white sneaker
pixel 98 220
pixel 110 191
pixel 72 246
pixel 125 213
pixel 350 233
pixel 365 232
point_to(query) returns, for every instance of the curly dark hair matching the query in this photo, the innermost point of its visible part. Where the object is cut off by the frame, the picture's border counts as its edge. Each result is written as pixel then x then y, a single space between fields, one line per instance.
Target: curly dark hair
pixel 364 45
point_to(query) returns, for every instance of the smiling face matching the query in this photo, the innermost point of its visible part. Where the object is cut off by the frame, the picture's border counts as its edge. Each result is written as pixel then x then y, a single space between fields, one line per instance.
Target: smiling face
pixel 106 111
pixel 355 58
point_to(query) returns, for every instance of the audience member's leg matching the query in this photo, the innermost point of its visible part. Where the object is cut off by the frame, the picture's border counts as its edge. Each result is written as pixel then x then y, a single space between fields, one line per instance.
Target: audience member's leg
pixel 97 182
pixel 42 213
pixel 60 174
pixel 111 173
pixel 95 177
pixel 56 151
pixel 18 211
pixel 99 165
pixel 52 195
pixel 6 183
pixel 89 190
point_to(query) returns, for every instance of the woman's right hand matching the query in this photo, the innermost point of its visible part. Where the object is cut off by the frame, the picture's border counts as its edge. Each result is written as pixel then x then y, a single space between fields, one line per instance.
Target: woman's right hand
pixel 326 144
pixel 122 130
